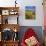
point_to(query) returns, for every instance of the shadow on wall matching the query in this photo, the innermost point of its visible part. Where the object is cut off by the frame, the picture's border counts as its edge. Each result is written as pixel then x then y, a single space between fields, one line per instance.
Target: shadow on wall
pixel 37 29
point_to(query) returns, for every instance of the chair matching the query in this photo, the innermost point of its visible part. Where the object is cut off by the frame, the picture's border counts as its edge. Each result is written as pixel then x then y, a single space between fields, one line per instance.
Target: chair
pixel 29 33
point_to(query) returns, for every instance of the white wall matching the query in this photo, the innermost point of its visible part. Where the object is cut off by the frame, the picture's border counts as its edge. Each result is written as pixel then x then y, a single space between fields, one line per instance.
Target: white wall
pixel 6 3
pixel 22 4
pixel 39 13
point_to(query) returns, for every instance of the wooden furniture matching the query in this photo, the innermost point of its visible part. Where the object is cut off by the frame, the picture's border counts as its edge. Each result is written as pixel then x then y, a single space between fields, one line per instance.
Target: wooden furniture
pixel 11 26
pixel 10 43
pixel 5 13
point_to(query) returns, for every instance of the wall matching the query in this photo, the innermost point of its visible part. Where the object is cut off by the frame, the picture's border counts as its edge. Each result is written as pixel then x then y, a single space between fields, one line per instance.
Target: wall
pixel 39 13
pixel 22 4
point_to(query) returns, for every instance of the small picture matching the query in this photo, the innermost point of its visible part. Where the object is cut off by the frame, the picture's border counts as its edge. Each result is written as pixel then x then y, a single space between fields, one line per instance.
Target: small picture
pixel 5 12
pixel 30 12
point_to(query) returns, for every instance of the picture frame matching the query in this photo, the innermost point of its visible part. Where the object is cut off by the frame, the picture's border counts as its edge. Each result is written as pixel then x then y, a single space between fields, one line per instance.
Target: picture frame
pixel 13 12
pixel 5 12
pixel 30 12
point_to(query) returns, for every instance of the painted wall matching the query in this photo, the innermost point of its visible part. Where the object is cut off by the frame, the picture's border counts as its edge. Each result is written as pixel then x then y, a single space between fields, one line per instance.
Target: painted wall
pixel 22 4
pixel 39 13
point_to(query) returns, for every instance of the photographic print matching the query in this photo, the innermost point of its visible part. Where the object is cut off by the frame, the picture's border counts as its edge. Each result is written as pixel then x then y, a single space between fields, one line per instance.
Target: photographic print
pixel 5 12
pixel 30 12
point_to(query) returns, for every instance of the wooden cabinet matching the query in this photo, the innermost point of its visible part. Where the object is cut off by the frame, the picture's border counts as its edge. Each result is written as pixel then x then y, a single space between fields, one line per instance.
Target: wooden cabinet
pixel 7 26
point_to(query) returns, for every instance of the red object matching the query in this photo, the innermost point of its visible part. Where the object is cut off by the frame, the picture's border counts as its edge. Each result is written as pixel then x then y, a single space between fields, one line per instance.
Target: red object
pixel 29 33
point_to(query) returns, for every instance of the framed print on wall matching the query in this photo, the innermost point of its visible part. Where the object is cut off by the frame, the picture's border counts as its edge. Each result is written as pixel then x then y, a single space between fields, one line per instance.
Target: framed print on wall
pixel 30 12
pixel 5 12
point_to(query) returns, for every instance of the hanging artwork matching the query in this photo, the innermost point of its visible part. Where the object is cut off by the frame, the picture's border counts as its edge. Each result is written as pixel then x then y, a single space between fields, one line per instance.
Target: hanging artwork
pixel 30 12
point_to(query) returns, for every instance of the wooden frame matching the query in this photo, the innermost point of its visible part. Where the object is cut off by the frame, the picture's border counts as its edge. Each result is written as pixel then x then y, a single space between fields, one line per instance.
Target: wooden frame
pixel 5 12
pixel 30 12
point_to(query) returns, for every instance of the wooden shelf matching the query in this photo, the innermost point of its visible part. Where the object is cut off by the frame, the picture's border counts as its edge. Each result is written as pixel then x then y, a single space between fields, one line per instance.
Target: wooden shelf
pixel 9 43
pixel 10 26
pixel 13 27
pixel 5 12
pixel 9 8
